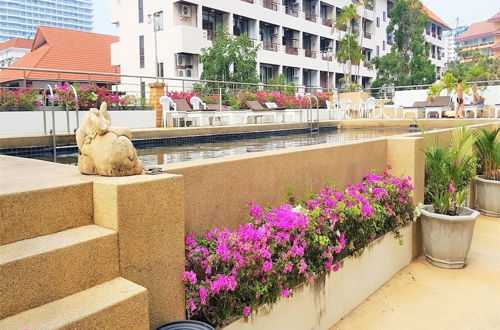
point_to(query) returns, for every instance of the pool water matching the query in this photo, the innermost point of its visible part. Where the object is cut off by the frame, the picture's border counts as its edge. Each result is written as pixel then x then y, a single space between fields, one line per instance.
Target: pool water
pixel 176 154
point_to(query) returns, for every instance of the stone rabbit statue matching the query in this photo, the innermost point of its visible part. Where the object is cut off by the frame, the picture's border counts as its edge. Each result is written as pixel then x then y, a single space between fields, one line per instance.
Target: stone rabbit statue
pixel 104 149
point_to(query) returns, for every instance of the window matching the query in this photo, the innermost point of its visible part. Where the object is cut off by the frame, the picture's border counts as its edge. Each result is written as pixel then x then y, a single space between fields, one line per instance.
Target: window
pixel 378 51
pixel 383 45
pixel 158 21
pixel 141 52
pixel 143 89
pixel 159 70
pixel 384 16
pixel 378 21
pixel 141 11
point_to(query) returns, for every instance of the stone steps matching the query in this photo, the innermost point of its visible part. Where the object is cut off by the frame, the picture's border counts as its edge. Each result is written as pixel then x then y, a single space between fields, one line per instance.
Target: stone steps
pixel 37 271
pixel 116 304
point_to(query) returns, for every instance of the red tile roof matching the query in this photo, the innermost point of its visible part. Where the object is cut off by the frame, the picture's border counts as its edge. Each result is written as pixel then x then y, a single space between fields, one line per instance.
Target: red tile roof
pixel 63 49
pixel 16 43
pixel 435 17
pixel 478 30
pixel 495 18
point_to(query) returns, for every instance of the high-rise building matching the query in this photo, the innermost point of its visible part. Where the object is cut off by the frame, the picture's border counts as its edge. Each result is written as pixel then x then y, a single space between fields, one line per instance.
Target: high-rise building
pixel 451 43
pixel 20 18
pixel 295 36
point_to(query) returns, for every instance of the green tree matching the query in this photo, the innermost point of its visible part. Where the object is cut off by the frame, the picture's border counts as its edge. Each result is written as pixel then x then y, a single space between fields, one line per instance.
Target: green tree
pixel 229 58
pixel 408 62
pixel 349 52
pixel 474 66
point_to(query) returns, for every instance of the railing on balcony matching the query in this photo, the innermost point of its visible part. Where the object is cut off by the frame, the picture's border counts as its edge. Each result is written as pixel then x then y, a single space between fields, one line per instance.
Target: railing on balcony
pixel 210 34
pixel 291 50
pixel 311 17
pixel 292 11
pixel 269 4
pixel 367 35
pixel 326 57
pixel 266 45
pixel 327 22
pixel 310 53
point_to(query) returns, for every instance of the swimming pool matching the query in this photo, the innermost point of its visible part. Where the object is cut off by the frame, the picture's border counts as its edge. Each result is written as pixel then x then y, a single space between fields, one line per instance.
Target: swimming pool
pixel 167 151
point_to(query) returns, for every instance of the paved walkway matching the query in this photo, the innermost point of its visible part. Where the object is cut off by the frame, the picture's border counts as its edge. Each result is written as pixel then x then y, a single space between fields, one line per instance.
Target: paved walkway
pixel 422 296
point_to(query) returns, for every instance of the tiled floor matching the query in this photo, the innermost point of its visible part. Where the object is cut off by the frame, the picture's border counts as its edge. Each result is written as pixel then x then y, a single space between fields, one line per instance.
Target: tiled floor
pixel 422 296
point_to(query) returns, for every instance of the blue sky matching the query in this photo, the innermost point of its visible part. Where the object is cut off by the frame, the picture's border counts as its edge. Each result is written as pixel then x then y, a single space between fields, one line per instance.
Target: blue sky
pixel 468 11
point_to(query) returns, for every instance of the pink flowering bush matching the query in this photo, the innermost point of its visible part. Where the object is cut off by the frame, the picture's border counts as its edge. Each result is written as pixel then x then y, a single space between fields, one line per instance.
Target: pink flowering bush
pixel 89 96
pixel 281 99
pixel 19 99
pixel 181 95
pixel 230 273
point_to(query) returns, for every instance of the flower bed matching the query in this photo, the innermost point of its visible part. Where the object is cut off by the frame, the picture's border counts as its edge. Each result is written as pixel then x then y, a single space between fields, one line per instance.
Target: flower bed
pixel 230 273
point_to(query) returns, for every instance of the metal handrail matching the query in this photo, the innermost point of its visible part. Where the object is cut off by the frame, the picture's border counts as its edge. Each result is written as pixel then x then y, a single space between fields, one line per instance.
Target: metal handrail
pixel 77 106
pixel 53 131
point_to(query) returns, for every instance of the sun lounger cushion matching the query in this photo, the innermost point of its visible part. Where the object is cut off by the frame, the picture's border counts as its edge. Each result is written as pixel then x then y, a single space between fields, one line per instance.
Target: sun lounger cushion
pixel 256 106
pixel 182 105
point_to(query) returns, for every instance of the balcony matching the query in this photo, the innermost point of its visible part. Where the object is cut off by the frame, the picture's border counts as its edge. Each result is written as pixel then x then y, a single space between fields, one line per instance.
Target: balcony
pixel 292 11
pixel 367 35
pixel 266 45
pixel 210 34
pixel 327 22
pixel 310 17
pixel 326 57
pixel 291 50
pixel 310 53
pixel 269 4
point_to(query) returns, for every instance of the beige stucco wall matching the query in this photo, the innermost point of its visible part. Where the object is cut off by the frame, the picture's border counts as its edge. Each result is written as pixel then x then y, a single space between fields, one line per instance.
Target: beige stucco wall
pixel 218 190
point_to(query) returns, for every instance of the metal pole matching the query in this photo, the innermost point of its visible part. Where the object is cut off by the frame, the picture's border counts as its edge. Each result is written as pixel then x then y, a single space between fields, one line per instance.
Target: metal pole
pixel 53 123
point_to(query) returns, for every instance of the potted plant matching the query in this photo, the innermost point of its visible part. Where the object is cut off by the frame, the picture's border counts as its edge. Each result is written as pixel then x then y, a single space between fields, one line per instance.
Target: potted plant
pixel 447 225
pixel 488 184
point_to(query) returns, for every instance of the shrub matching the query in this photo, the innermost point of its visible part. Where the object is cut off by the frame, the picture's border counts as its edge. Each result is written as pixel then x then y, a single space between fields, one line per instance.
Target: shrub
pixel 229 273
pixel 19 99
pixel 488 150
pixel 449 171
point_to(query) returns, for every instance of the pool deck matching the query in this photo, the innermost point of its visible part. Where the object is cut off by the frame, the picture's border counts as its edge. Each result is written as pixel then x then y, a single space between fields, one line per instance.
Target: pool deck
pixel 11 141
pixel 422 296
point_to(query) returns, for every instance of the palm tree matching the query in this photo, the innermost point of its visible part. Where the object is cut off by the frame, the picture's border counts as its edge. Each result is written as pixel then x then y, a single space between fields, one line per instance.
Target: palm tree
pixel 349 51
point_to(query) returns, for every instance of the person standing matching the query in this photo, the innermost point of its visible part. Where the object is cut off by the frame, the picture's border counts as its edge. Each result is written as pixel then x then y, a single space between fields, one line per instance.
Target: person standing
pixel 460 100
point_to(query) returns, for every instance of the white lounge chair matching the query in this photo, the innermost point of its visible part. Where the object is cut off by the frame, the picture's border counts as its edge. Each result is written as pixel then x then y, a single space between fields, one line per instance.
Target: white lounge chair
pixel 367 107
pixel 345 108
pixel 197 103
pixel 167 104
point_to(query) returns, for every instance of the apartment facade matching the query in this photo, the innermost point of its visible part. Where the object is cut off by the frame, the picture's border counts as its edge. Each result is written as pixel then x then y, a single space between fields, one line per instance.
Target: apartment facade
pixel 483 36
pixel 21 18
pixel 296 37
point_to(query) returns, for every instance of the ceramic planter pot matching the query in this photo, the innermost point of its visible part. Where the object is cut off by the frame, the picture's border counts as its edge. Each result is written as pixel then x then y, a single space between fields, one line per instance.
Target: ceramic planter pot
pixel 447 238
pixel 488 196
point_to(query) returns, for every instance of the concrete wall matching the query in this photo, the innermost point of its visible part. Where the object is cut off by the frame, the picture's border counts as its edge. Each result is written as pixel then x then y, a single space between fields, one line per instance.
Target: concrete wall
pixel 408 97
pixel 217 190
pixel 31 122
pixel 320 304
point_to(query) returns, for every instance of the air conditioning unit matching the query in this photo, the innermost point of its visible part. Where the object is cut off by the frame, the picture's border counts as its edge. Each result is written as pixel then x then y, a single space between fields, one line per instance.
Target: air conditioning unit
pixel 181 73
pixel 296 72
pixel 185 11
pixel 275 31
pixel 180 59
pixel 189 73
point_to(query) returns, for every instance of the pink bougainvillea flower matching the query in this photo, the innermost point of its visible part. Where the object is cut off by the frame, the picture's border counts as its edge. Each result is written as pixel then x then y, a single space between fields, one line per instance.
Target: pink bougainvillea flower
pixel 246 310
